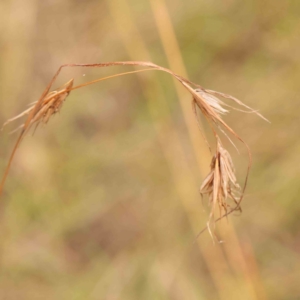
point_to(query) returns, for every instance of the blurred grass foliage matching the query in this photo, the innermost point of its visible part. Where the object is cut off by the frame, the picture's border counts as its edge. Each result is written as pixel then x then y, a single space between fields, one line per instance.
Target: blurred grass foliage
pixel 104 202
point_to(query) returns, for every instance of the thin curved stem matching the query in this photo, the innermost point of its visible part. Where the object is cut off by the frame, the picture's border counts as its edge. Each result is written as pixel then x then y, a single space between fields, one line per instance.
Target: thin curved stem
pixel 211 115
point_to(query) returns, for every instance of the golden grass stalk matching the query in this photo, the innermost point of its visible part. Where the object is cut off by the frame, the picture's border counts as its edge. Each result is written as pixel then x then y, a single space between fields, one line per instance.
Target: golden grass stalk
pixel 220 183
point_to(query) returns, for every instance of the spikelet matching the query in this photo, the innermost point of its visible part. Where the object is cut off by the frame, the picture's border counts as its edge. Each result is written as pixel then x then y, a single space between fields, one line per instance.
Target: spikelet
pixel 212 101
pixel 221 184
pixel 51 104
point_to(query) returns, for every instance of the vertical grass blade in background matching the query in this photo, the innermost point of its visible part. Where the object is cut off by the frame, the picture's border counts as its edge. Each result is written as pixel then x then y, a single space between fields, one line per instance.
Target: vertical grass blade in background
pixel 184 181
pixel 241 264
pixel 137 48
pixel 174 57
pixel 15 63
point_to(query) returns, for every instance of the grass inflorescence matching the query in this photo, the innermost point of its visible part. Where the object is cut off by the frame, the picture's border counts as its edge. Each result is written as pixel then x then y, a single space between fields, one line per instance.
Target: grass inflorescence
pixel 220 185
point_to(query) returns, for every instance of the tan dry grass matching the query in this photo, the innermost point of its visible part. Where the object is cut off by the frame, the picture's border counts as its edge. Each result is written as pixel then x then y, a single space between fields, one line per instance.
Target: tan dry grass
pixel 51 104
pixel 220 184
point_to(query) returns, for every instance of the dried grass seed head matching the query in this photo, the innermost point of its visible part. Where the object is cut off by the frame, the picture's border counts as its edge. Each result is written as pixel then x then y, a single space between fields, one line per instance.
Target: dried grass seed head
pixel 221 183
pixel 212 101
pixel 50 105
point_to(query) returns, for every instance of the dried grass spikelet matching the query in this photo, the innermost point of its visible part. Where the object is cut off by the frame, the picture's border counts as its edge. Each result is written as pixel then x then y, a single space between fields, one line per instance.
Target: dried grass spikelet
pixel 212 107
pixel 221 184
pixel 50 105
pixel 212 101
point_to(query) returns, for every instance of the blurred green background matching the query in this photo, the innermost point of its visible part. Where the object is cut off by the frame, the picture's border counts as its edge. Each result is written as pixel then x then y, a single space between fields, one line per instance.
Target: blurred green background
pixel 104 202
